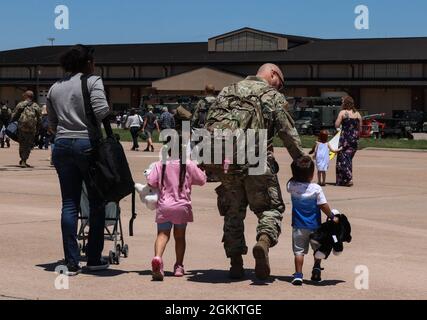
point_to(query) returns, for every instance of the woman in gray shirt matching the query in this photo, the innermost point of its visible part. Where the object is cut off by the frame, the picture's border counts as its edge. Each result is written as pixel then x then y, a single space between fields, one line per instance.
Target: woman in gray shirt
pixel 67 119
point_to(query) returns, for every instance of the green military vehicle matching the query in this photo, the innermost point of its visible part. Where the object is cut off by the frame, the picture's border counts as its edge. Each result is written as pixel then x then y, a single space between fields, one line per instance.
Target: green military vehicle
pixel 313 114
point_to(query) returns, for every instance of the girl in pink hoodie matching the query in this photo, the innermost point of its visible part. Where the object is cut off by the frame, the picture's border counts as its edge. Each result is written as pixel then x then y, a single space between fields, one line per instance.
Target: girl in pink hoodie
pixel 174 181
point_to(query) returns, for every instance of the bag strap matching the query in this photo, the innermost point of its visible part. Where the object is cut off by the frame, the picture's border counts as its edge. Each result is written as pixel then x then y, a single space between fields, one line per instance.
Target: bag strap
pixel 94 130
pixel 19 114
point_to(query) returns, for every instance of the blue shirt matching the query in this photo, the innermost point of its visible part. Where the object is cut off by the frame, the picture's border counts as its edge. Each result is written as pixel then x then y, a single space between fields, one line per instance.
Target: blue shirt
pixel 306 198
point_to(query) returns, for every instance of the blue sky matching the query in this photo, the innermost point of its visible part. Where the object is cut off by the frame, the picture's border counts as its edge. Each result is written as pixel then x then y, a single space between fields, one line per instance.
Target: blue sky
pixel 26 23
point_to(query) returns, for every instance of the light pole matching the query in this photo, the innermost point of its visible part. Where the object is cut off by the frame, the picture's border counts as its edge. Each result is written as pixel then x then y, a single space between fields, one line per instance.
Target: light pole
pixel 38 73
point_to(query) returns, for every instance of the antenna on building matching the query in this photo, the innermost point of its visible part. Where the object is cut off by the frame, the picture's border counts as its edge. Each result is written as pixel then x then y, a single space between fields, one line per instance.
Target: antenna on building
pixel 52 40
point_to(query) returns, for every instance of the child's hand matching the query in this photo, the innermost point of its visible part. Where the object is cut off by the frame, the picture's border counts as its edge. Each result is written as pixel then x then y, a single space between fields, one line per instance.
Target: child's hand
pixel 336 220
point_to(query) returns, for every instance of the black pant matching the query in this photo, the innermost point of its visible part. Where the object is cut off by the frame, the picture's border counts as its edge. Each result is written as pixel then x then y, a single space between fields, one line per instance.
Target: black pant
pixel 134 132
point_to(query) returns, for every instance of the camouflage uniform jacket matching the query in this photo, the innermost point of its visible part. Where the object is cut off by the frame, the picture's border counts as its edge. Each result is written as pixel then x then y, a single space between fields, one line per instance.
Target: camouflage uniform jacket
pixel 201 105
pixel 274 106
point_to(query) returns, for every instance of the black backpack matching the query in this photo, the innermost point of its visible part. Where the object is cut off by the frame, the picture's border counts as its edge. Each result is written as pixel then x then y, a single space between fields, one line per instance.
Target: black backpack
pixel 109 173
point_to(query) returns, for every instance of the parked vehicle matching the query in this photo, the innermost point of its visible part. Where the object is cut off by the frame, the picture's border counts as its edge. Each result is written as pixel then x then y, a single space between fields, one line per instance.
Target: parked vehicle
pixel 367 121
pixel 313 114
pixel 396 128
pixel 412 120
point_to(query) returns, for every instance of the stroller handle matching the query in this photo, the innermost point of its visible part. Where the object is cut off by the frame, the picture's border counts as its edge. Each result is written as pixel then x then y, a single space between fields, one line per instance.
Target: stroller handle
pixel 134 214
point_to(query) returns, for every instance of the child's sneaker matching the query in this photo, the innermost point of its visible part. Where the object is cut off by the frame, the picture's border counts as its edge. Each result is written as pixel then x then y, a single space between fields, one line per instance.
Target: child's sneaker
pixel 298 278
pixel 178 270
pixel 316 274
pixel 157 267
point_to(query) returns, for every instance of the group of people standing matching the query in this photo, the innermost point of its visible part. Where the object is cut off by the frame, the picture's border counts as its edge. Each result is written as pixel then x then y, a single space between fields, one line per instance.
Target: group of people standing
pixel 237 191
pixel 145 126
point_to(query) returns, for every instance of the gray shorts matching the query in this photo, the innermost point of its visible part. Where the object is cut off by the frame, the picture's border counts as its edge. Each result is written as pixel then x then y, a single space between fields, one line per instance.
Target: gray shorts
pixel 149 132
pixel 301 240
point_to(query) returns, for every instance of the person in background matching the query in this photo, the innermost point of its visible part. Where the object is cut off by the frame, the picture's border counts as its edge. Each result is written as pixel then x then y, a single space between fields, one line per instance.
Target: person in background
pixel 134 124
pixel 150 123
pixel 5 116
pixel 321 155
pixel 28 115
pixel 202 107
pixel 118 120
pixel 73 152
pixel 166 120
pixel 375 129
pixel 351 121
pixel 43 139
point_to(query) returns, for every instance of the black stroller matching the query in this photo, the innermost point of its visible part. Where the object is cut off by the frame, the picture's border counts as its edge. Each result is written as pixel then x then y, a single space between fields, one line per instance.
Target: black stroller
pixel 113 227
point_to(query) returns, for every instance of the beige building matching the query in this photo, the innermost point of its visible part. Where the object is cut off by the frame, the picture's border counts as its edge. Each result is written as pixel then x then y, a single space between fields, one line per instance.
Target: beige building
pixel 381 74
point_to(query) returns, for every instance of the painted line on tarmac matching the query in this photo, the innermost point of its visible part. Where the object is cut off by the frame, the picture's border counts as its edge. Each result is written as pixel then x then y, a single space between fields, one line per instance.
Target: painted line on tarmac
pixel 27 222
pixel 389 227
pixel 378 198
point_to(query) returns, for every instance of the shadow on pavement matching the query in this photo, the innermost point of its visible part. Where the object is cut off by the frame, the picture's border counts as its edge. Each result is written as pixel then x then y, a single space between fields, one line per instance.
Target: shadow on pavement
pixel 50 267
pixel 222 276
pixel 323 283
pixel 13 168
pixel 149 272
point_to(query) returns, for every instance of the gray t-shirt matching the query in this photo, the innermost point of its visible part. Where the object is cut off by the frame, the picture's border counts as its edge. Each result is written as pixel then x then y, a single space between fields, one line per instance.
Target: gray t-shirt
pixel 65 106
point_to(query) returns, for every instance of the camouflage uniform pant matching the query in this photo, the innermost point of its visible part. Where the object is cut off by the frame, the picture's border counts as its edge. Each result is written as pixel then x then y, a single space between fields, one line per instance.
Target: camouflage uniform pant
pixel 26 143
pixel 264 197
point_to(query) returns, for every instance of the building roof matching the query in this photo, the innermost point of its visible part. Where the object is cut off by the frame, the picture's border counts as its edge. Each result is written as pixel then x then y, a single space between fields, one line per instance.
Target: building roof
pixel 195 80
pixel 308 50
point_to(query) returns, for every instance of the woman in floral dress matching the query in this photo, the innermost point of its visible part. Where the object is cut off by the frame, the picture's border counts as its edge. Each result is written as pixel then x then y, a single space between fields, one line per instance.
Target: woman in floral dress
pixel 351 122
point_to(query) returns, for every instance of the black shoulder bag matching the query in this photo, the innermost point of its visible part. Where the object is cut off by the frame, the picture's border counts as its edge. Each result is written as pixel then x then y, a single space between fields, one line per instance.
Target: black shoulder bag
pixel 109 172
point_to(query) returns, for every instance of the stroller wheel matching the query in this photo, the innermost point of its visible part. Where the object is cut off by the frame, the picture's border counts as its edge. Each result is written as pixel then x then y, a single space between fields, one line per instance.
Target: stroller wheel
pixel 117 259
pixel 125 251
pixel 111 257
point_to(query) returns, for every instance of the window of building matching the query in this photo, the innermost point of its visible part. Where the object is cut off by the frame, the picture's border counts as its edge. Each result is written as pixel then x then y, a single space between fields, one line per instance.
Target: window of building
pixel 247 41
pixel 390 70
pixel 14 73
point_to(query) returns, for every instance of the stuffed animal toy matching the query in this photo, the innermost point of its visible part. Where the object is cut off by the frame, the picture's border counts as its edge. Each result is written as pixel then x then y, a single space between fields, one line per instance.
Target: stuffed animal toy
pixel 148 195
pixel 330 236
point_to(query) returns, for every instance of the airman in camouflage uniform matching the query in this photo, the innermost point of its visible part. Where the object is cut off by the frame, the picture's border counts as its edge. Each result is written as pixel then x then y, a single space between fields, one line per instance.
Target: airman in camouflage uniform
pixel 202 107
pixel 5 116
pixel 261 192
pixel 28 115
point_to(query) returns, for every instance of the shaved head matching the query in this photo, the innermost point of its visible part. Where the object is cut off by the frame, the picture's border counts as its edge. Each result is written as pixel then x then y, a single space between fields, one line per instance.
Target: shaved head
pixel 28 95
pixel 272 74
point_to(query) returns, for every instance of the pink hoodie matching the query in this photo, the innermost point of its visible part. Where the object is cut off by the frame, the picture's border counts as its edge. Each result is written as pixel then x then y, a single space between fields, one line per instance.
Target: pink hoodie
pixel 175 206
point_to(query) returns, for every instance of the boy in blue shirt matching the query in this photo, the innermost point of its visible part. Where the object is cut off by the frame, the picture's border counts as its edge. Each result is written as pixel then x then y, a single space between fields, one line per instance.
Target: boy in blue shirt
pixel 307 202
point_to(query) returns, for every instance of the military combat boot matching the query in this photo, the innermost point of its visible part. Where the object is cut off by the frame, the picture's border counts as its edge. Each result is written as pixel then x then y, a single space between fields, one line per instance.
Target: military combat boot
pixel 260 252
pixel 237 271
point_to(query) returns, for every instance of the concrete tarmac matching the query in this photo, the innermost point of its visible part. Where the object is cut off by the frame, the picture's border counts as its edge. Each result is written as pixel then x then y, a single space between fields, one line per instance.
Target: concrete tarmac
pixel 386 207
